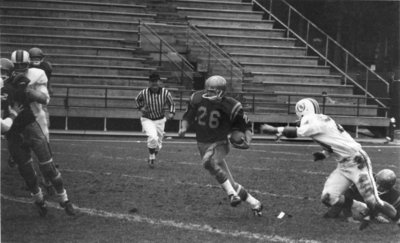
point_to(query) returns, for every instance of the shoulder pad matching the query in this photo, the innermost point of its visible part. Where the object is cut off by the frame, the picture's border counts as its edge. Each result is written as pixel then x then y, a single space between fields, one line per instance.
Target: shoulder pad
pixel 196 97
pixel 36 76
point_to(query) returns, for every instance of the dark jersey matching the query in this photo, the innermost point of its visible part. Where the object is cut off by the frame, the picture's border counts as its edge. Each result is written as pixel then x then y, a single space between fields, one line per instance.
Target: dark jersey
pixel 14 90
pixel 214 120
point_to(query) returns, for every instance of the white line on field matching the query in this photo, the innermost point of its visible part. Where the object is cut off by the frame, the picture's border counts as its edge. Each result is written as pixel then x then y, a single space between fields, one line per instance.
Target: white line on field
pixel 394 146
pixel 162 181
pixel 170 223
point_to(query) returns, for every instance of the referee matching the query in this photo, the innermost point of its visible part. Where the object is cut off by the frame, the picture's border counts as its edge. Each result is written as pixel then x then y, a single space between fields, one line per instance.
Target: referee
pixel 151 103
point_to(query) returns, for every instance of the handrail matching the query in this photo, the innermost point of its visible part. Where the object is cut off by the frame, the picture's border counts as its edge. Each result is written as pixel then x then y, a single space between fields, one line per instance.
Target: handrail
pixel 324 56
pixel 165 49
pixel 216 58
pixel 249 100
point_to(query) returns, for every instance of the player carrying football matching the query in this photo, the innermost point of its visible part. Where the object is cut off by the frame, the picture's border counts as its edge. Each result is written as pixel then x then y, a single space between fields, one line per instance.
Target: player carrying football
pixel 353 163
pixel 214 116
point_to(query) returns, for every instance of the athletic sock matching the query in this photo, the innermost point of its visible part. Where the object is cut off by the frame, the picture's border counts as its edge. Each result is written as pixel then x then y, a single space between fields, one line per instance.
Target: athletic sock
pixel 38 197
pixel 227 186
pixel 62 197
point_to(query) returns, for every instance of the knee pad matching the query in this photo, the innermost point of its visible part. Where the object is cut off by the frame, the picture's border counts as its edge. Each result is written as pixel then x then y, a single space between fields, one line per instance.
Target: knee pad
pixel 49 171
pixel 215 170
pixel 29 174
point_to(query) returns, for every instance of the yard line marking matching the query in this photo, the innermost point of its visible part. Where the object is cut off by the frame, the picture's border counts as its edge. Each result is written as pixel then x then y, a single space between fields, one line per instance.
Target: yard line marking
pixel 270 143
pixel 169 223
pixel 162 181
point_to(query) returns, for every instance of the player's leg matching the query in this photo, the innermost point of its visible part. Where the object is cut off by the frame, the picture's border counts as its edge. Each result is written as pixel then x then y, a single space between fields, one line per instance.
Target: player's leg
pixel 212 154
pixel 244 195
pixel 334 188
pixel 41 148
pixel 20 152
pixel 160 126
pixel 150 128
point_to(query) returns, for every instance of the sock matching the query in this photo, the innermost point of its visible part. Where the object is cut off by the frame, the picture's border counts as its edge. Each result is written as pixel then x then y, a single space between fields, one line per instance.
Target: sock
pixel 228 188
pixel 62 197
pixel 38 197
pixel 152 156
pixel 252 201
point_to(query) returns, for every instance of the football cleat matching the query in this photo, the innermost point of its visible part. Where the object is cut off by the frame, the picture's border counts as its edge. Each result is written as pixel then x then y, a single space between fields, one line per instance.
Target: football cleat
pixel 68 207
pixel 365 223
pixel 151 163
pixel 42 208
pixel 235 200
pixel 257 211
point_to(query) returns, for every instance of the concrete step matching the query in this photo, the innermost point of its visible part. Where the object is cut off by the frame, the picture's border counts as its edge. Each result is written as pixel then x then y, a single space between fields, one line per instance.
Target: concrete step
pixel 70 49
pixel 63 58
pixel 230 22
pixel 278 59
pixel 77 13
pixel 332 99
pixel 70 31
pixel 219 13
pixel 252 40
pixel 241 31
pixel 96 79
pixel 265 50
pixel 135 2
pixel 226 5
pixel 67 40
pixel 295 78
pixel 286 68
pixel 106 70
pixel 81 5
pixel 313 88
pixel 69 22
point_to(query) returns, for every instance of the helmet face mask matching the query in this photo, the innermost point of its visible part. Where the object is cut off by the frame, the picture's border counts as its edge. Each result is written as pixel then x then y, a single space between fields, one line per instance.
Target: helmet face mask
pixel 215 87
pixel 21 60
pixel 385 180
pixel 307 106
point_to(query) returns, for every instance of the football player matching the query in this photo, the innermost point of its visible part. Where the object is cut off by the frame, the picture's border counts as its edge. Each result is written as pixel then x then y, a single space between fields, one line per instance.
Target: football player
pixel 37 58
pixel 28 87
pixel 353 163
pixel 214 116
pixel 385 181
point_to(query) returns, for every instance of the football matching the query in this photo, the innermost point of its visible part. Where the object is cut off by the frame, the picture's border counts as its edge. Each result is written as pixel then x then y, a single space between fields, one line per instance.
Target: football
pixel 236 137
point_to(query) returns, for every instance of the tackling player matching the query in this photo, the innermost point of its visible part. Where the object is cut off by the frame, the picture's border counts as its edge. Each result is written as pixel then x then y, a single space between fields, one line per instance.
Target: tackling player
pixel 214 116
pixel 353 163
pixel 29 131
pixel 151 102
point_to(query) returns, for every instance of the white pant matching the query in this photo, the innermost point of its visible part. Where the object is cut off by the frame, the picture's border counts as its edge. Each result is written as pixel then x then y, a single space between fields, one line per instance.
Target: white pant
pixel 154 130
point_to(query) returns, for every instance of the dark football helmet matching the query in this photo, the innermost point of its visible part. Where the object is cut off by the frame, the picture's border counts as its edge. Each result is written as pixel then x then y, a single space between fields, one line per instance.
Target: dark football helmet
pixel 385 180
pixel 36 55
pixel 7 67
pixel 21 60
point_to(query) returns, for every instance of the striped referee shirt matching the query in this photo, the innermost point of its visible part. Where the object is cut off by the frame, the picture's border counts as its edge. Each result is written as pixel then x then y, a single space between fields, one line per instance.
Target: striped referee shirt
pixel 155 102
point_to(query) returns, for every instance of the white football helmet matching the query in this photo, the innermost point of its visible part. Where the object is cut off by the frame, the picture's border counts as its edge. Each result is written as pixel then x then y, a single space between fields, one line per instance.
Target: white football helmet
pixel 307 106
pixel 215 87
pixel 385 180
pixel 21 60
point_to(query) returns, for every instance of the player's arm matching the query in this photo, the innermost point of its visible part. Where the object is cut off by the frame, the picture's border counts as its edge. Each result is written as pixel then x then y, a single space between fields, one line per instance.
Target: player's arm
pixel 241 122
pixel 39 94
pixel 13 113
pixel 289 132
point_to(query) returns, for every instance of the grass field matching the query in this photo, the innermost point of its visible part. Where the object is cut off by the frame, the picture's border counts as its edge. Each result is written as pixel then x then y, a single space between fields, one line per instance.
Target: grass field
pixel 179 201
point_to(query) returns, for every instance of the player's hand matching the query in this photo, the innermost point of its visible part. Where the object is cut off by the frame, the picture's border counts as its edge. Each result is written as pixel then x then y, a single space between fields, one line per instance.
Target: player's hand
pixel 170 116
pixel 319 156
pixel 268 129
pixel 182 132
pixel 15 109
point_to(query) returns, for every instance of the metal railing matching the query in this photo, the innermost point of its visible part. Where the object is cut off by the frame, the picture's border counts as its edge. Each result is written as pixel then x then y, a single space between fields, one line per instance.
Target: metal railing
pixel 208 57
pixel 331 52
pixel 168 58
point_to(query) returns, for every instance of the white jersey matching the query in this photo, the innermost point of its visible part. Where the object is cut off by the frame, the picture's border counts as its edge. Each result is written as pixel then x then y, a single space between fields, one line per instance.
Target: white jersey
pixel 38 82
pixel 331 136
